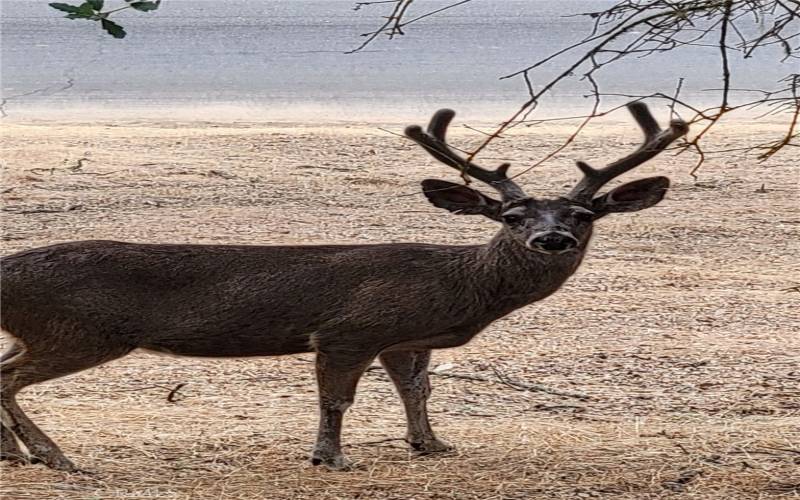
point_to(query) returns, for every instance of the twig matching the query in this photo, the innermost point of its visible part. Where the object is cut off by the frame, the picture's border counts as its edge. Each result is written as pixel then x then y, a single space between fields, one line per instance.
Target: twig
pixel 394 23
pixel 395 17
pixel 378 441
pixel 174 392
pixel 514 384
pixel 70 208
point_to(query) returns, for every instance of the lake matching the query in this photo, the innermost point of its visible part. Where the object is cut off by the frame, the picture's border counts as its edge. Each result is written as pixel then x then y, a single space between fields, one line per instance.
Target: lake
pixel 286 60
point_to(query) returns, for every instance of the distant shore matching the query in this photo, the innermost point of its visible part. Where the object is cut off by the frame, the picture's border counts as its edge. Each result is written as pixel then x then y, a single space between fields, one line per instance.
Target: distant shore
pixel 333 114
pixel 346 111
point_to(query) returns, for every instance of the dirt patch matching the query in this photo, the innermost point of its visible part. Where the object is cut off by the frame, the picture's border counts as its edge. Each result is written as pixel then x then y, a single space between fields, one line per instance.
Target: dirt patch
pixel 681 327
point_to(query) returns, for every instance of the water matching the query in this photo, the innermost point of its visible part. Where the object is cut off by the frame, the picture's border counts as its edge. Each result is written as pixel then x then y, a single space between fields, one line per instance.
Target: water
pixel 285 60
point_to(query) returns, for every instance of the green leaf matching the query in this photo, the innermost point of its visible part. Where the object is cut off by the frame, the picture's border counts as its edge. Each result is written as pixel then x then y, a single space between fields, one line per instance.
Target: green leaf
pixel 65 7
pixel 86 10
pixel 145 6
pixel 96 4
pixel 113 28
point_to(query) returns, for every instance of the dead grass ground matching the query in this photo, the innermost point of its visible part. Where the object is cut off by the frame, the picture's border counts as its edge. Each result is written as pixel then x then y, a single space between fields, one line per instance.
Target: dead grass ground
pixel 678 326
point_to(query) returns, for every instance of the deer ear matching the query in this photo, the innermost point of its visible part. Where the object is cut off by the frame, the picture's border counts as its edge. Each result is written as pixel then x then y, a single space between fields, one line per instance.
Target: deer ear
pixel 460 199
pixel 631 197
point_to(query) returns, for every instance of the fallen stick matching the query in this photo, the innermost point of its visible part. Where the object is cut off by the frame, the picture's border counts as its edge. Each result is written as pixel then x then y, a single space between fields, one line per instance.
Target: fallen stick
pixel 515 384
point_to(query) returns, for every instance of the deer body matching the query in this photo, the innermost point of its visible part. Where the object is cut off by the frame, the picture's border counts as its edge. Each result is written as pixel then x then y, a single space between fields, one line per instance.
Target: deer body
pixel 223 300
pixel 73 306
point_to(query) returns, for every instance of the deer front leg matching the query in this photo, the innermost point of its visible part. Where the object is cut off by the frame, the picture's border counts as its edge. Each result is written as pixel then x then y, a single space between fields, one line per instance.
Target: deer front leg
pixel 337 377
pixel 409 372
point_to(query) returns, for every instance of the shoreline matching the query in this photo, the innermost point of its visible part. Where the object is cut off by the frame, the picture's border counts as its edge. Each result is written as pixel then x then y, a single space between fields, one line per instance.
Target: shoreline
pixel 619 127
pixel 618 119
pixel 331 114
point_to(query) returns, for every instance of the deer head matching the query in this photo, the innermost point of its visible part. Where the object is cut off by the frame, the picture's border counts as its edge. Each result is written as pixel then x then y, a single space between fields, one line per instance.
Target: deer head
pixel 551 226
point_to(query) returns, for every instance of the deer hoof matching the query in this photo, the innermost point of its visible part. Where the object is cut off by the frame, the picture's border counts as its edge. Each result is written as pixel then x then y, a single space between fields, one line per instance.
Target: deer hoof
pixel 335 463
pixel 56 463
pixel 15 458
pixel 429 446
pixel 60 463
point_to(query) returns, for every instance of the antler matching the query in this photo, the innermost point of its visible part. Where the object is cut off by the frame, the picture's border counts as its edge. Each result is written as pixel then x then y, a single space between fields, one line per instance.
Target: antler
pixel 655 141
pixel 433 140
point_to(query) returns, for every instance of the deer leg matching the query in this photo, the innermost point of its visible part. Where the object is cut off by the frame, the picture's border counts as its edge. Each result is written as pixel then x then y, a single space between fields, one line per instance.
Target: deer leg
pixel 9 447
pixel 409 372
pixel 29 368
pixel 13 350
pixel 337 377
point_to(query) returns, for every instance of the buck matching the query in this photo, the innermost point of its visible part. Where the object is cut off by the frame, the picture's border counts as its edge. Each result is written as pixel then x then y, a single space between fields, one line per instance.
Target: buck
pixel 73 306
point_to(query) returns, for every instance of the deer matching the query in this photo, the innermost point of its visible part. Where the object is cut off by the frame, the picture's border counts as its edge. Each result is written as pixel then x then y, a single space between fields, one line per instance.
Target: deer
pixel 72 306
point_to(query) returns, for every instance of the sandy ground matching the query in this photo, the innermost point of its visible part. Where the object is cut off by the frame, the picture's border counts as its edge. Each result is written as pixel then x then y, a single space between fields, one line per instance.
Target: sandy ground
pixel 680 327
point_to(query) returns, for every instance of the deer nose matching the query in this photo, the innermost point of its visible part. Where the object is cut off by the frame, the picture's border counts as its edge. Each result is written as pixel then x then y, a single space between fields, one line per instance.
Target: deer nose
pixel 552 241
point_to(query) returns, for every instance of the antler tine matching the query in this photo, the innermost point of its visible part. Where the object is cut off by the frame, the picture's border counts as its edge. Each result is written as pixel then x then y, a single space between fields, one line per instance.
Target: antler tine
pixel 433 140
pixel 655 141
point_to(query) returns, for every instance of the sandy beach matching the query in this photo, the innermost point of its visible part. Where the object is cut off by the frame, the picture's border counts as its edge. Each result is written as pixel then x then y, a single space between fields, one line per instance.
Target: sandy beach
pixel 681 326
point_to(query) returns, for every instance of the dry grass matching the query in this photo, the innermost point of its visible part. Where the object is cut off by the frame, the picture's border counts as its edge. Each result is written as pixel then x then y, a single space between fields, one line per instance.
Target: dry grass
pixel 678 326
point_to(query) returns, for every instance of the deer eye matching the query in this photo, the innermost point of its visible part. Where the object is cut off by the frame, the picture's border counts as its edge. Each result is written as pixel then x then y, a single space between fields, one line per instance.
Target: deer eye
pixel 512 219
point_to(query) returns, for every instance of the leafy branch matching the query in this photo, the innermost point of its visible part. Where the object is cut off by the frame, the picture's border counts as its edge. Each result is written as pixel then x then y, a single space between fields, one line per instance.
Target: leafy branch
pixel 92 10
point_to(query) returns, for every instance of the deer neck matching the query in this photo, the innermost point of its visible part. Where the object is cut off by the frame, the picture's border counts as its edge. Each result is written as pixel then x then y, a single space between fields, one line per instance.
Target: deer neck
pixel 519 276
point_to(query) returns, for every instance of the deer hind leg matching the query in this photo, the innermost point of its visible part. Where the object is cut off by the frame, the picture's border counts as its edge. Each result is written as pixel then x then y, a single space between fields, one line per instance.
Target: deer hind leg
pixel 13 350
pixel 409 372
pixel 9 447
pixel 32 367
pixel 337 378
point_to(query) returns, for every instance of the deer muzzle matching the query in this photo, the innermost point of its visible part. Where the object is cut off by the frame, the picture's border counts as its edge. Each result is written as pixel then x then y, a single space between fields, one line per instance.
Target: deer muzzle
pixel 552 242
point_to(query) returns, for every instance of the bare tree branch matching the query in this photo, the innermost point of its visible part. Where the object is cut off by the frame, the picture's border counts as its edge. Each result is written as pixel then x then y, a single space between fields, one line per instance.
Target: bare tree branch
pixel 395 21
pixel 644 28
